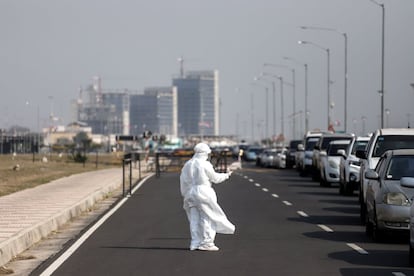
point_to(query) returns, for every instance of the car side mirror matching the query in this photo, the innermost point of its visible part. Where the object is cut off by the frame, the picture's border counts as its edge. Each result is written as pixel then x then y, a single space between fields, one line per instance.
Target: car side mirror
pixel 371 174
pixel 300 147
pixel 323 153
pixel 407 182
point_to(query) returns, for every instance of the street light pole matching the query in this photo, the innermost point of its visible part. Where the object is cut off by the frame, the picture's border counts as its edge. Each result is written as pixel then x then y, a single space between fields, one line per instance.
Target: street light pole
pixel 382 6
pixel 345 65
pixel 293 91
pixel 267 107
pixel 328 75
pixel 306 90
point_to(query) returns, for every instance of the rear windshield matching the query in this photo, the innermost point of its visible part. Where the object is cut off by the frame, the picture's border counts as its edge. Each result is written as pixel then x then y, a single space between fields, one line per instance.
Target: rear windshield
pixel 390 142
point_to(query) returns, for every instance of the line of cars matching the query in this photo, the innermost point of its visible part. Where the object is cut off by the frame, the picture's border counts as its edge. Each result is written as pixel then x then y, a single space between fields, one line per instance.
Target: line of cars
pixel 380 167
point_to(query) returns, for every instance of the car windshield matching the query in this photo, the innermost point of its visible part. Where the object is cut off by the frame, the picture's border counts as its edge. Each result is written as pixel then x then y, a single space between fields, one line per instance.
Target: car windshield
pixel 358 145
pixel 327 140
pixel 400 166
pixel 390 142
pixel 310 143
pixel 333 149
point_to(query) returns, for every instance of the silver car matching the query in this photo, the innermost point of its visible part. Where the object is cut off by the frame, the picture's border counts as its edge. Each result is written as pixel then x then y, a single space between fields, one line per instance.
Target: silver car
pixel 390 193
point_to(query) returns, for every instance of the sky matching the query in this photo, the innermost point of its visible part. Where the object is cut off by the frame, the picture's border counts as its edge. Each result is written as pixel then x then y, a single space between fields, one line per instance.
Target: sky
pixel 49 49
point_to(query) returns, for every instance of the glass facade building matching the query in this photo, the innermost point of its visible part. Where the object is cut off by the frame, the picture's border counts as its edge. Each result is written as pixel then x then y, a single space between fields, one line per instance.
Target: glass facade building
pixel 198 103
pixel 155 111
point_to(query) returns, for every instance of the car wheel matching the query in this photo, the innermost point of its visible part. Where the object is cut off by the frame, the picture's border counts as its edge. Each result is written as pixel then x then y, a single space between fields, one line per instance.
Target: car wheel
pixel 411 256
pixel 362 212
pixel 368 226
pixel 341 188
pixel 377 234
pixel 348 189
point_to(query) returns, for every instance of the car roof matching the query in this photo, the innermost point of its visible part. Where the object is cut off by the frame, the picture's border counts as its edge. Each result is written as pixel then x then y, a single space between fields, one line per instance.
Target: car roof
pixel 396 131
pixel 340 142
pixel 363 138
pixel 400 152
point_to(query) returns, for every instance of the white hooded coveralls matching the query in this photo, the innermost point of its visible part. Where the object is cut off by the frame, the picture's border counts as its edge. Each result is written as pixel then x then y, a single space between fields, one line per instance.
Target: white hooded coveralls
pixel 205 216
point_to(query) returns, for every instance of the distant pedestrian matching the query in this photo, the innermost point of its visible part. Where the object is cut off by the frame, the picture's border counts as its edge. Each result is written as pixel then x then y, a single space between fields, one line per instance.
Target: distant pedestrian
pixel 205 216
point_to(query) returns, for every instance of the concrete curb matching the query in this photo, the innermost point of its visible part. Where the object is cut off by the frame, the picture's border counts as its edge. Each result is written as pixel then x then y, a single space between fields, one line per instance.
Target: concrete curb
pixel 28 237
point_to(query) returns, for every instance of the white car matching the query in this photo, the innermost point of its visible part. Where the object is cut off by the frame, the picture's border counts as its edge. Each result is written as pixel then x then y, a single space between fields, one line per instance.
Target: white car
pixel 267 157
pixel 350 165
pixel 381 141
pixel 279 161
pixel 329 161
pixel 305 152
pixel 320 150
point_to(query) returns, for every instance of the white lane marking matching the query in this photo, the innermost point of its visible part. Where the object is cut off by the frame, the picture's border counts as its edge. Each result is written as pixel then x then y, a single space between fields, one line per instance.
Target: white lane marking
pixel 275 195
pixel 257 184
pixel 302 214
pixel 265 189
pixel 287 203
pixel 251 180
pixel 357 248
pixel 59 261
pixel 325 228
pixel 398 274
pixel 245 177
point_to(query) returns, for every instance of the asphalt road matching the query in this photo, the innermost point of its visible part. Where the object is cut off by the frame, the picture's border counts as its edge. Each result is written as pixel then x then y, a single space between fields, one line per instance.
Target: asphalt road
pixel 285 225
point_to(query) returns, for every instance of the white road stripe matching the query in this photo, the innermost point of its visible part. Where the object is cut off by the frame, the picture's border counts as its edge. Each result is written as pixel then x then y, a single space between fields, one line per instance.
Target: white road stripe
pixel 59 261
pixel 257 184
pixel 275 195
pixel 325 228
pixel 357 248
pixel 265 190
pixel 245 177
pixel 251 180
pixel 398 274
pixel 302 214
pixel 287 203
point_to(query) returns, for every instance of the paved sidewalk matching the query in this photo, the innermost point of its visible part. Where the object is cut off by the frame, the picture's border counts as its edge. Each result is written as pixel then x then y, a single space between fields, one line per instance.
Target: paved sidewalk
pixel 30 215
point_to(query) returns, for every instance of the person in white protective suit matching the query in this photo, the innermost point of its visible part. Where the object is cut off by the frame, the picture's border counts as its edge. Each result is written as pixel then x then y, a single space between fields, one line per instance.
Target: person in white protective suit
pixel 205 216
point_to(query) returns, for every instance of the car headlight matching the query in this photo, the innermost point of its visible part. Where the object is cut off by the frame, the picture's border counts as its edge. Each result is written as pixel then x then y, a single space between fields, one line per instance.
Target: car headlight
pixel 333 164
pixel 396 199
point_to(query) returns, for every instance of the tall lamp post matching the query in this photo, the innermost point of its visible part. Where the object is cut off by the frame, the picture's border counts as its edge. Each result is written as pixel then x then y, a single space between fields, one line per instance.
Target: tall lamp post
pixel 266 104
pixel 328 75
pixel 345 66
pixel 273 100
pixel 382 59
pixel 306 90
pixel 294 93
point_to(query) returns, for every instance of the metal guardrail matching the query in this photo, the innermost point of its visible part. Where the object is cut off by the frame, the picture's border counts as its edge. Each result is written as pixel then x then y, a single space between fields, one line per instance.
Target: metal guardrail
pixel 127 161
pixel 173 163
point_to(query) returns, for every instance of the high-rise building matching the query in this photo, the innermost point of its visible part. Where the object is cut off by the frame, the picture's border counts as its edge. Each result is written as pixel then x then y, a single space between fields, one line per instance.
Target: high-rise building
pixel 106 112
pixel 198 103
pixel 155 111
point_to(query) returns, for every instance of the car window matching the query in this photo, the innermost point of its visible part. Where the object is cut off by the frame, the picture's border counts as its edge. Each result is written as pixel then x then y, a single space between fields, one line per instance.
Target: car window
pixel 400 166
pixel 389 142
pixel 327 140
pixel 333 149
pixel 359 145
